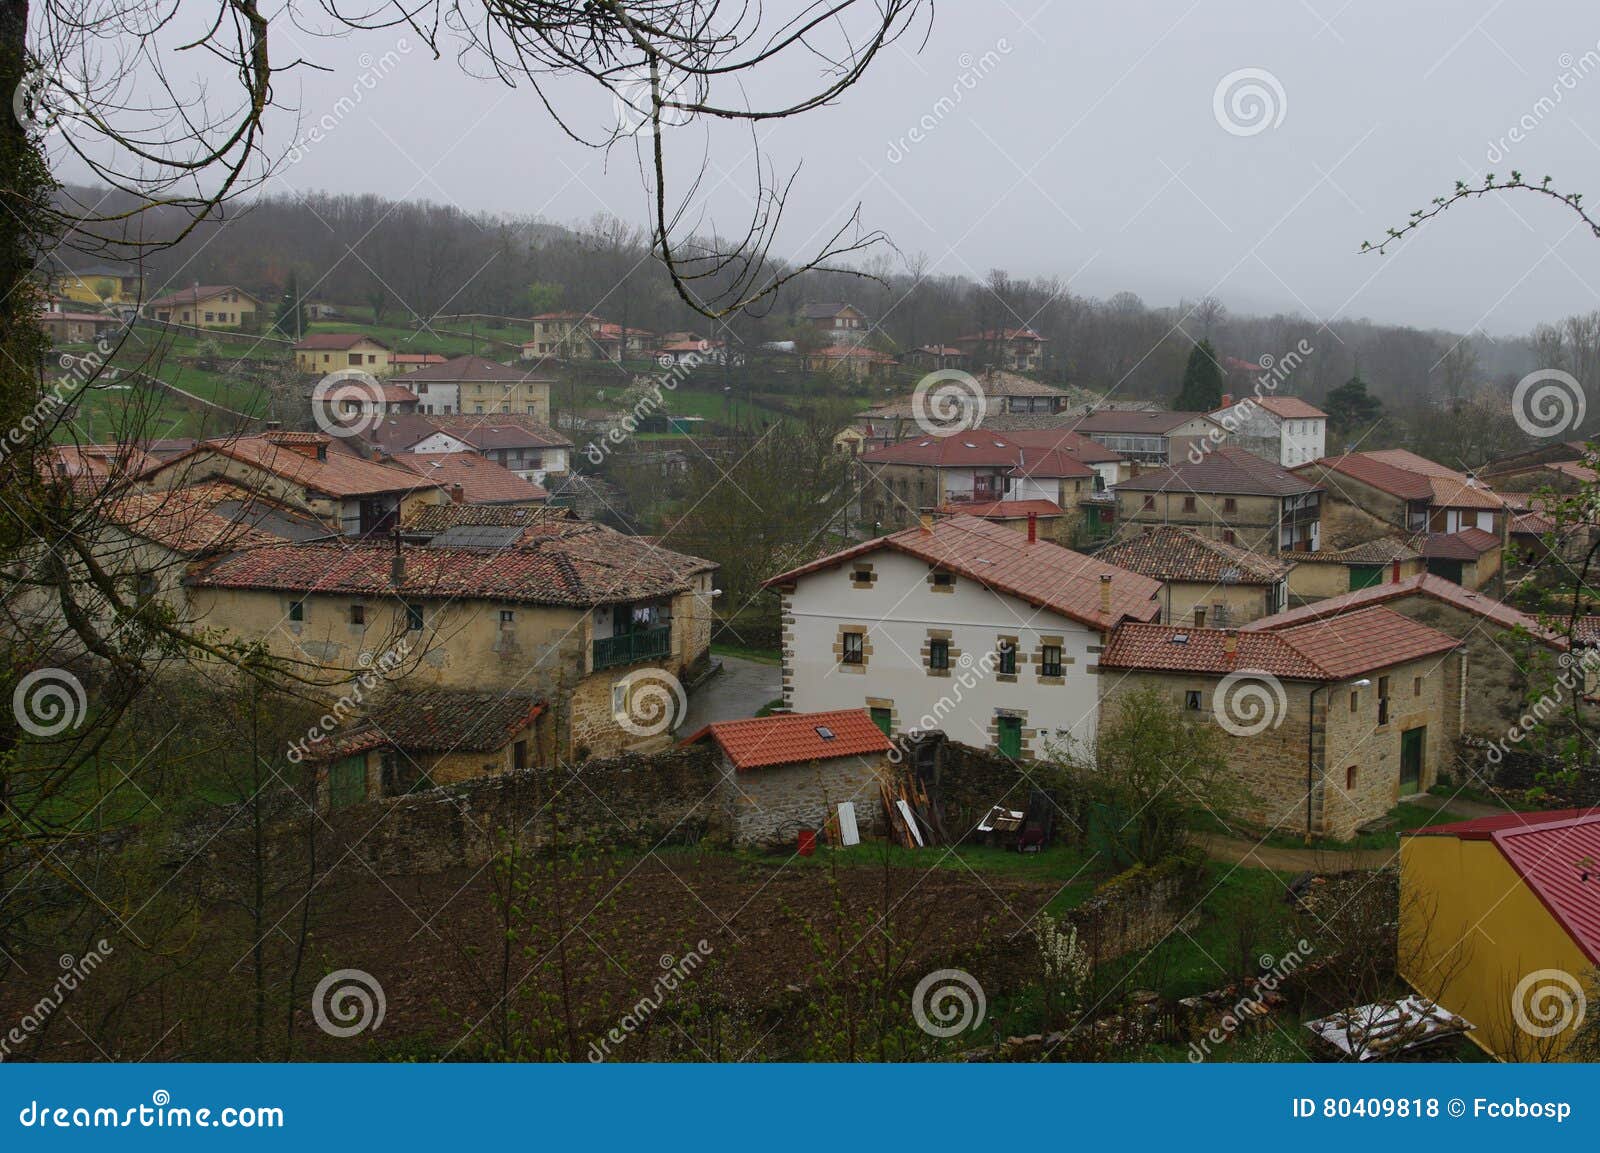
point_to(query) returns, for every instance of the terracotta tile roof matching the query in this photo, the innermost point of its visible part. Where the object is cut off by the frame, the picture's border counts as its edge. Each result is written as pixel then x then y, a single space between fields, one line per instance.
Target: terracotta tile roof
pixel 90 467
pixel 1423 584
pixel 1586 630
pixel 1463 492
pixel 573 564
pixel 1005 334
pixel 1468 544
pixel 182 519
pixel 335 341
pixel 1354 643
pixel 442 721
pixel 1532 524
pixel 482 480
pixel 1226 469
pixel 1050 463
pixel 1291 408
pixel 1168 553
pixel 1554 854
pixel 492 430
pixel 1376 474
pixel 199 294
pixel 342 474
pixel 1137 422
pixel 469 369
pixel 563 316
pixel 795 738
pixel 850 352
pixel 1074 444
pixel 1003 509
pixel 974 448
pixel 1004 560
pixel 361 391
pixel 433 519
pixel 1383 550
pixel 418 358
pixel 941 350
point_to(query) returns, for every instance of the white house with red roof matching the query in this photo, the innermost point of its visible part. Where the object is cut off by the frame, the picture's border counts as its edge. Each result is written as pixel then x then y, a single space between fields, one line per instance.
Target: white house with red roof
pixel 1285 429
pixel 959 625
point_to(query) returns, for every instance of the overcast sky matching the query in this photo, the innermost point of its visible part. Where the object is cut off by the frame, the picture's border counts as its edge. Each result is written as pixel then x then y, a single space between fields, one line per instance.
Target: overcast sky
pixel 1086 143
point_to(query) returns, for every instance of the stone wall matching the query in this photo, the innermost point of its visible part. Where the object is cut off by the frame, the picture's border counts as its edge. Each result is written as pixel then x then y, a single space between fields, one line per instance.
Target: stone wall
pixel 1140 907
pixel 769 806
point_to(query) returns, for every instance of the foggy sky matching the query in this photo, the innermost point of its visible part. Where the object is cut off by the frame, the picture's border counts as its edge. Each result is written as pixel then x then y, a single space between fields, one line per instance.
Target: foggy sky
pixel 1084 144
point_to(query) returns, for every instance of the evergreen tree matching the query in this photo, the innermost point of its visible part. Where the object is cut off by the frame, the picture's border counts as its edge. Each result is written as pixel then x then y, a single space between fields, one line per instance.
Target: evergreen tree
pixel 290 318
pixel 1202 381
pixel 1351 408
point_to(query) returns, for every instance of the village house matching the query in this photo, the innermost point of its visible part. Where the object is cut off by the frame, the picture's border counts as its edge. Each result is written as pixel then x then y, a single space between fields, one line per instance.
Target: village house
pixel 1013 349
pixel 911 477
pixel 1231 495
pixel 932 357
pixel 1352 717
pixel 1333 572
pixel 800 771
pixel 116 288
pixel 1499 912
pixel 1508 650
pixel 308 471
pixel 1151 438
pixel 471 478
pixel 852 362
pixel 1563 467
pixel 325 352
pixel 208 306
pixel 424 738
pixel 522 445
pixel 1041 518
pixel 1285 429
pixel 598 622
pixel 562 335
pixel 475 385
pixel 64 327
pixel 89 468
pixel 957 625
pixel 356 402
pixel 1203 581
pixel 1399 489
pixel 837 323
pixel 411 361
pixel 691 351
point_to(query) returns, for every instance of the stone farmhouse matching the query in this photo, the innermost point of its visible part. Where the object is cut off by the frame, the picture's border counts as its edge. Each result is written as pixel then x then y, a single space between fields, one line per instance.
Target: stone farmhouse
pixel 1231 495
pixel 1284 429
pixel 1203 581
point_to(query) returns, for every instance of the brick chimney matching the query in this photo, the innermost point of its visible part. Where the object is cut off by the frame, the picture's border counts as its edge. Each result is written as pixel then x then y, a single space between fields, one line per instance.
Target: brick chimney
pixel 1105 596
pixel 458 494
pixel 1396 570
pixel 1230 645
pixel 397 566
pixel 927 522
pixel 1033 527
pixel 1227 400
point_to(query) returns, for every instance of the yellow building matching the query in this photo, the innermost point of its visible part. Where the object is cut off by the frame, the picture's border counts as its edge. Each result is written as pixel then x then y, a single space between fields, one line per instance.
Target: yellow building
pixel 208 306
pixel 476 385
pixel 325 352
pixel 102 285
pixel 1500 924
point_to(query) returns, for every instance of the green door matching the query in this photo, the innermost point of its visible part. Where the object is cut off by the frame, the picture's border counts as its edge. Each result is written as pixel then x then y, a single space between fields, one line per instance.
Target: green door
pixel 1365 576
pixel 347 781
pixel 880 717
pixel 1413 742
pixel 1010 736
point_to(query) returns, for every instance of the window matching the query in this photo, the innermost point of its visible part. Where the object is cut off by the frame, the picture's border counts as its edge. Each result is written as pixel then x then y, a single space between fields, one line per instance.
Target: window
pixel 1416 686
pixel 943 580
pixel 1355 700
pixel 1350 778
pixel 855 652
pixel 1188 504
pixel 413 616
pixel 508 617
pixel 1383 700
pixel 1008 658
pixel 519 756
pixel 1149 503
pixel 939 654
pixel 1050 660
pixel 1199 616
pixel 358 614
pixel 1191 700
pixel 861 576
pixel 1229 536
pixel 211 316
pixel 297 610
pixel 1229 504
pixel 355 358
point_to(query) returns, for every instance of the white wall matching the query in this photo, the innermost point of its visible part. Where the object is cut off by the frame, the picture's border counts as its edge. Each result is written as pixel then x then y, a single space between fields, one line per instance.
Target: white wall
pixel 897 612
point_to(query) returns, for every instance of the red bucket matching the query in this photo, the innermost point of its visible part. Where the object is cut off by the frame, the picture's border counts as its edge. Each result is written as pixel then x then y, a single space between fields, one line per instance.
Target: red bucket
pixel 808 842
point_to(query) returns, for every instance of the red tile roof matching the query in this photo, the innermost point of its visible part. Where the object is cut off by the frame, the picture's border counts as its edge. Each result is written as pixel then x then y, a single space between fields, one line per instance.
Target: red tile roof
pixel 1051 463
pixel 482 480
pixel 90 467
pixel 793 738
pixel 1555 854
pixel 1403 473
pixel 1423 584
pixel 342 474
pixel 1168 553
pixel 1135 421
pixel 1375 474
pixel 1291 408
pixel 198 294
pixel 1225 469
pixel 470 369
pixel 1004 560
pixel 1074 444
pixel 1006 334
pixel 1003 509
pixel 416 358
pixel 363 391
pixel 182 520
pixel 335 341
pixel 1357 642
pixel 1468 544
pixel 971 449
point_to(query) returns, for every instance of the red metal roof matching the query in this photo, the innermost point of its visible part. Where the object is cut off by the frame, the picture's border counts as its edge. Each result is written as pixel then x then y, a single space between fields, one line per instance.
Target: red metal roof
pixel 795 738
pixel 1006 561
pixel 1557 854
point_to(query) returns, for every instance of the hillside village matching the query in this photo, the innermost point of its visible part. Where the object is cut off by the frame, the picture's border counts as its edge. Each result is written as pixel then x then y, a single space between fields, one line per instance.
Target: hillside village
pixel 1016 592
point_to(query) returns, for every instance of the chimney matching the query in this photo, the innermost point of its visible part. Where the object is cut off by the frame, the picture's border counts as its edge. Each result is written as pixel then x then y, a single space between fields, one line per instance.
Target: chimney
pixel 927 522
pixel 1227 400
pixel 1105 596
pixel 1230 645
pixel 1396 570
pixel 458 494
pixel 397 567
pixel 1033 527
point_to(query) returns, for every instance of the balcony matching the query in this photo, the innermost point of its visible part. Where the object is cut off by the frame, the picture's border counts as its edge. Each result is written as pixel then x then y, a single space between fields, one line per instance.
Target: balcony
pixel 627 648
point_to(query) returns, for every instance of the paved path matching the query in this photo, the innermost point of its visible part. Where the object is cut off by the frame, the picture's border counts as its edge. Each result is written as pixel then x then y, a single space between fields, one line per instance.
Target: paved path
pixel 739 690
